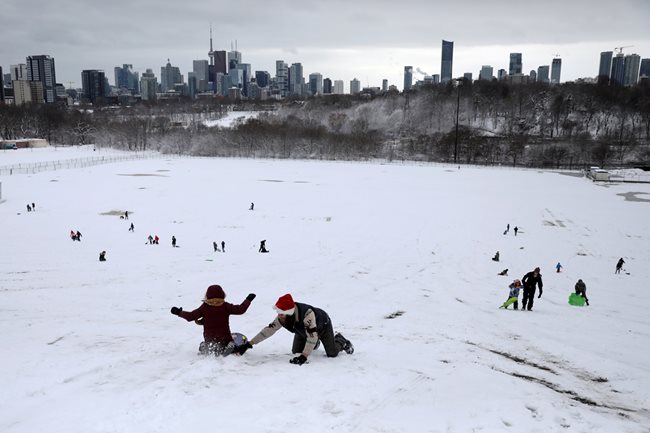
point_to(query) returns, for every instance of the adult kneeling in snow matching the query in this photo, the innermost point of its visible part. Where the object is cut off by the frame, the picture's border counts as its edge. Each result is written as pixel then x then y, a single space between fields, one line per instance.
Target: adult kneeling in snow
pixel 308 324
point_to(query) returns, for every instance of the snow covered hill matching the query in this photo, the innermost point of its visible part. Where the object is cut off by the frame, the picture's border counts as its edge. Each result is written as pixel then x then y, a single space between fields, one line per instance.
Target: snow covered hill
pixel 399 256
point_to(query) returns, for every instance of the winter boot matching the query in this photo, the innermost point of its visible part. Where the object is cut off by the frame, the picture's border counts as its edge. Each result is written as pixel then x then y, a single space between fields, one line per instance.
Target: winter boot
pixel 345 344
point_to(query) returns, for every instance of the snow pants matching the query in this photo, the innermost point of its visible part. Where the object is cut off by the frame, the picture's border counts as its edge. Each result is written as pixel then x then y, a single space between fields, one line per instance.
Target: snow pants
pixel 529 298
pixel 326 336
pixel 513 300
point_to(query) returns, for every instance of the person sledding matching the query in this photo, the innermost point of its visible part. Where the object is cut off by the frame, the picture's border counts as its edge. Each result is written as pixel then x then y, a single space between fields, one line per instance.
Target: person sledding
pixel 496 257
pixel 309 326
pixel 579 298
pixel 513 296
pixel 214 314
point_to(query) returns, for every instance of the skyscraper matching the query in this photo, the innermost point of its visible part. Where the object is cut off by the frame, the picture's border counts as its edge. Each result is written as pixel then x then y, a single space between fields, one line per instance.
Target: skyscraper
pixel 148 86
pixel 605 65
pixel 408 78
pixel 631 69
pixel 543 73
pixel 93 85
pixel 201 71
pixel 338 87
pixel 234 58
pixel 220 62
pixel 262 78
pixel 327 86
pixel 486 74
pixel 384 85
pixel 125 78
pixel 282 77
pixel 355 86
pixel 41 68
pixel 516 65
pixel 502 74
pixel 618 70
pixel 296 79
pixel 169 77
pixel 315 83
pixel 18 72
pixel 645 68
pixel 447 61
pixel 556 69
pixel 533 76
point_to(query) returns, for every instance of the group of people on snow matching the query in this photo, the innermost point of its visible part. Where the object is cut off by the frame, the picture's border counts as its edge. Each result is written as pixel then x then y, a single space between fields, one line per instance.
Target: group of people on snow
pixel 311 326
pixel 31 207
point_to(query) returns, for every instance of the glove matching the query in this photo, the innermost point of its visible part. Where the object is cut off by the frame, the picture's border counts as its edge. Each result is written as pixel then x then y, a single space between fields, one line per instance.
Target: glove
pixel 540 294
pixel 251 296
pixel 243 348
pixel 177 311
pixel 299 360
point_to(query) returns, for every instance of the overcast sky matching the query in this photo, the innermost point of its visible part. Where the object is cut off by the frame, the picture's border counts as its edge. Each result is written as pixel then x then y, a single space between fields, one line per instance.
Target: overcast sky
pixel 369 40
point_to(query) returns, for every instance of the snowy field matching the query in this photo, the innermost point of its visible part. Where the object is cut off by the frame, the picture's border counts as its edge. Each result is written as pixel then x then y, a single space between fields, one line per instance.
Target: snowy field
pixel 399 256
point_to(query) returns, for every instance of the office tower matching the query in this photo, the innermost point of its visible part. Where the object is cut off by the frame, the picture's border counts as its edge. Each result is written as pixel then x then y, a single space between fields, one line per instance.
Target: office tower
pixel 245 69
pixel 282 77
pixel 220 62
pixel 315 84
pixel 543 73
pixel 532 76
pixel 645 68
pixel 408 78
pixel 221 84
pixel 125 78
pixel 355 86
pixel 234 58
pixel 447 62
pixel 486 74
pixel 93 84
pixel 296 79
pixel 201 70
pixel 327 86
pixel 192 86
pixel 262 78
pixel 338 87
pixel 618 70
pixel 467 76
pixel 556 69
pixel 516 65
pixel 384 85
pixel 41 68
pixel 169 77
pixel 435 78
pixel 502 74
pixel 148 86
pixel 605 65
pixel 631 69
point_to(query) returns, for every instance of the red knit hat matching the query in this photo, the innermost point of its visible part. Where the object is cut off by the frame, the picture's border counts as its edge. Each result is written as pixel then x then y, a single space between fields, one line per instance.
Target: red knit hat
pixel 285 305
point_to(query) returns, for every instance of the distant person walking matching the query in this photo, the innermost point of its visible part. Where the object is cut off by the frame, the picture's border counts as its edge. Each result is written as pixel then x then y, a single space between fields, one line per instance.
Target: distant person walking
pixel 132 228
pixel 558 267
pixel 126 215
pixel 33 207
pixel 150 239
pixel 496 257
pixel 252 206
pixel 102 256
pixel 619 265
pixel 29 207
pixel 516 229
pixel 174 241
pixel 215 246
pixel 156 240
pixel 223 246
pixel 530 280
pixel 78 235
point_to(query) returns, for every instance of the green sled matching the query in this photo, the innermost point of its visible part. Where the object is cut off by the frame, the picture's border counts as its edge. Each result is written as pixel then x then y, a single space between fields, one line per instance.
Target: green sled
pixel 577 300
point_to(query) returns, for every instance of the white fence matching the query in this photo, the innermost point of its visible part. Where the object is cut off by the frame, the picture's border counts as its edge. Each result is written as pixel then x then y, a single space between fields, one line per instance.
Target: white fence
pixel 64 164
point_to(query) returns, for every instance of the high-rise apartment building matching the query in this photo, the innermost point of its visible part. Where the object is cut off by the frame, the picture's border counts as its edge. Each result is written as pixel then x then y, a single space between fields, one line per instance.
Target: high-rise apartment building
pixel 532 76
pixel 631 69
pixel 28 92
pixel 617 76
pixel 355 86
pixel 148 86
pixel 408 78
pixel 556 70
pixel 516 65
pixel 502 74
pixel 605 68
pixel 18 72
pixel 384 85
pixel 543 73
pixel 296 79
pixel 315 84
pixel 644 71
pixel 327 86
pixel 338 87
pixel 486 74
pixel 41 68
pixel 262 78
pixel 447 61
pixel 93 85
pixel 169 77
pixel 125 78
pixel 282 77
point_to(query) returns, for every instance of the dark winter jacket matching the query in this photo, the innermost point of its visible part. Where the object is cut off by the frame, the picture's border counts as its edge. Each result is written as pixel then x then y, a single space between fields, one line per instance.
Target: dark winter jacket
pixel 214 315
pixel 530 280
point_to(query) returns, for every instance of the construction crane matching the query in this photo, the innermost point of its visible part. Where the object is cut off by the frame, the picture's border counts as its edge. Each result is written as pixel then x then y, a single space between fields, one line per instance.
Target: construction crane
pixel 620 49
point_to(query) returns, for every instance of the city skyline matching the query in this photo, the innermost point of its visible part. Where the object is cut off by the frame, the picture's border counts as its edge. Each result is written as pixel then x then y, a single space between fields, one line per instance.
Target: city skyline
pixel 367 41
